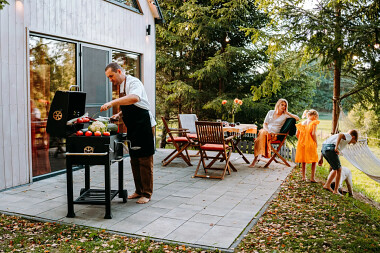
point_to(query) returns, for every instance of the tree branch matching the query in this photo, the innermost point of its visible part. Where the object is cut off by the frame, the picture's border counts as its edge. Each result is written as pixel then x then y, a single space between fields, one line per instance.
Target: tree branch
pixel 353 91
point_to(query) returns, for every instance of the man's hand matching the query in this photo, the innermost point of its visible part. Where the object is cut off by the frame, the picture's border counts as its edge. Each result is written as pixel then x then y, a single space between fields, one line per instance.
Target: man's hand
pixel 106 106
pixel 115 117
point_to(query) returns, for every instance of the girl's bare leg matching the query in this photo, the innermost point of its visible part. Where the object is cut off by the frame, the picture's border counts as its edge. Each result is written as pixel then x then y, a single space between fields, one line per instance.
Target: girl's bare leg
pixel 303 171
pixel 312 177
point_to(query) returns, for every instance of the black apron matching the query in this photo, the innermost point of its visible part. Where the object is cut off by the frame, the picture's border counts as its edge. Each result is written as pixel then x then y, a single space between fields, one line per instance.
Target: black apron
pixel 139 130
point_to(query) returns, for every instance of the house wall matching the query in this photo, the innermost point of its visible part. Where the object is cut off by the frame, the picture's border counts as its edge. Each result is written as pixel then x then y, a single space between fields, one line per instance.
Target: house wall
pixel 92 21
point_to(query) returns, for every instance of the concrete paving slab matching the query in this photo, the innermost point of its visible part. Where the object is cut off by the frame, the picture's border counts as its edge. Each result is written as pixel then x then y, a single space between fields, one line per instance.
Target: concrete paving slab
pixel 183 209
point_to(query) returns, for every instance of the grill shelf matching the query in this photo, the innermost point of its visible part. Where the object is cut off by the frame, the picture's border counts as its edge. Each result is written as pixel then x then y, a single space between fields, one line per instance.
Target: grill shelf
pixel 97 196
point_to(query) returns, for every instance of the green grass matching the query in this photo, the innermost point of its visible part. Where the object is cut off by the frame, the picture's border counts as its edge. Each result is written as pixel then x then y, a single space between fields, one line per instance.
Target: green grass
pixel 306 218
pixel 362 183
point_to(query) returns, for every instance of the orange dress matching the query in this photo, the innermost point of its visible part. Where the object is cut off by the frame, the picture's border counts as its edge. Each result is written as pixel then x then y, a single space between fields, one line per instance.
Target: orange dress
pixel 306 146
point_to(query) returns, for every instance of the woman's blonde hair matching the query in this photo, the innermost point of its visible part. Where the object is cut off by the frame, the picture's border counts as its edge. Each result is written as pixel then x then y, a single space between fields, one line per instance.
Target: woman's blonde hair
pixel 279 103
pixel 310 112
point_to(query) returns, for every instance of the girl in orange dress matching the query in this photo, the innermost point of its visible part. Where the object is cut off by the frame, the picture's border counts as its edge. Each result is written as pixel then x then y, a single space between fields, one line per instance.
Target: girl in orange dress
pixel 307 143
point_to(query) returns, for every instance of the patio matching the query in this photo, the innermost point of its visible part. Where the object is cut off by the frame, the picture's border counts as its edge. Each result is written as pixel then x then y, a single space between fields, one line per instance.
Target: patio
pixel 204 213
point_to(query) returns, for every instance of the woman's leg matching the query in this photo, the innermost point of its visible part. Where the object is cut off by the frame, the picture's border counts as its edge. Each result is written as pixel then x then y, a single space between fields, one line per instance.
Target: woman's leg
pixel 260 146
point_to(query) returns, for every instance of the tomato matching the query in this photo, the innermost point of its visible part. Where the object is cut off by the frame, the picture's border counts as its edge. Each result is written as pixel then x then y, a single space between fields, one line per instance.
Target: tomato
pixel 98 133
pixel 106 134
pixel 79 133
pixel 88 133
pixel 79 120
pixel 86 120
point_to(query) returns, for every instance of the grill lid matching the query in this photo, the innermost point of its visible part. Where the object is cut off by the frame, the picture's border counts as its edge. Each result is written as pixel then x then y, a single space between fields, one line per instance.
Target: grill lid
pixel 65 106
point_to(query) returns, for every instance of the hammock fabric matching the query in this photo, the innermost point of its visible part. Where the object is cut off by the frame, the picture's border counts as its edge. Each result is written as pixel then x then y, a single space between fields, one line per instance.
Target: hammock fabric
pixel 363 159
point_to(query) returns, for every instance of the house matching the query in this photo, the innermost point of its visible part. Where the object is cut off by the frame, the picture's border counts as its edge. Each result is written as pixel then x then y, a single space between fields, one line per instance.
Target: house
pixel 49 45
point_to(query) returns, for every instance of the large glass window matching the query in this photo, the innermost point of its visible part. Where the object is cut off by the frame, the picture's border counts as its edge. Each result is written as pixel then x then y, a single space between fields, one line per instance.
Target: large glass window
pixel 130 4
pixel 131 64
pixel 52 68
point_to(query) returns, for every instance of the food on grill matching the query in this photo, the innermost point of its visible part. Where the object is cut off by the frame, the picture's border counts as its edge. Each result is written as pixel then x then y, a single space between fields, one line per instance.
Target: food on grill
pixel 88 133
pixel 79 133
pixel 97 126
pixel 98 133
pixel 112 128
pixel 106 133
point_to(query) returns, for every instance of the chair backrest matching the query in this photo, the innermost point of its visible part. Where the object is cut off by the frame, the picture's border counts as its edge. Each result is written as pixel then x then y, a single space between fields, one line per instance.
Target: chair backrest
pixel 188 121
pixel 210 132
pixel 289 128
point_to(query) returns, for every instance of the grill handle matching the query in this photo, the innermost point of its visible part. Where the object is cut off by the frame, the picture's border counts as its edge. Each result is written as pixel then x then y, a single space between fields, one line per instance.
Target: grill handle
pixel 126 147
pixel 75 86
pixel 87 154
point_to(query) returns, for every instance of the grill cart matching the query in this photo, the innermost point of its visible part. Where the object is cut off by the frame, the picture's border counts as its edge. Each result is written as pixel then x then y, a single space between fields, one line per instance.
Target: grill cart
pixel 86 150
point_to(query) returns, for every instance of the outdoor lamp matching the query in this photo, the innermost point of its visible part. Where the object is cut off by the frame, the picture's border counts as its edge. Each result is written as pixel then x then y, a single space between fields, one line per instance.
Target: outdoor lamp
pixel 148 30
pixel 227 38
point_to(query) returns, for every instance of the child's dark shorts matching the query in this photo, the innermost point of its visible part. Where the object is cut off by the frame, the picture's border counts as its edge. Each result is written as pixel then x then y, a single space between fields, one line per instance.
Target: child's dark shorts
pixel 328 152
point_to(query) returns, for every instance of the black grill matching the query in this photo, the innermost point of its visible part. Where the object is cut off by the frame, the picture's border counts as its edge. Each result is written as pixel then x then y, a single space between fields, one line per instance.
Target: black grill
pixel 86 150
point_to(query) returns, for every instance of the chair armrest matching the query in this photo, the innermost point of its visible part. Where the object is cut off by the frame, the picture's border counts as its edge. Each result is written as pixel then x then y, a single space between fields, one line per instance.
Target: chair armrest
pixel 229 138
pixel 179 130
pixel 279 134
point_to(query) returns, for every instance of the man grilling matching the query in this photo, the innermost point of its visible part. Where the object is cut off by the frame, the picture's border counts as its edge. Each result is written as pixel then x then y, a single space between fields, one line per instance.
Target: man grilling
pixel 134 110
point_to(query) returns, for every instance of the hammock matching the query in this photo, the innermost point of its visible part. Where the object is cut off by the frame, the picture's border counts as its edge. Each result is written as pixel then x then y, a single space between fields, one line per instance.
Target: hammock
pixel 363 159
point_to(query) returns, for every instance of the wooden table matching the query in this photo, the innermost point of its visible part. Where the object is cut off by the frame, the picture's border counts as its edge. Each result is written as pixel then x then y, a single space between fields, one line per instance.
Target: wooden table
pixel 238 131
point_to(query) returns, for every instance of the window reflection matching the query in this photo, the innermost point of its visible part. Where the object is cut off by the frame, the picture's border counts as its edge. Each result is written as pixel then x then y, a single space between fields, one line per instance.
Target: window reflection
pixel 131 64
pixel 52 68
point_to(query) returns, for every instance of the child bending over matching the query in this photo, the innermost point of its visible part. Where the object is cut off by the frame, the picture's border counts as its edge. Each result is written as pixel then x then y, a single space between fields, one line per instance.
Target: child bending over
pixel 331 149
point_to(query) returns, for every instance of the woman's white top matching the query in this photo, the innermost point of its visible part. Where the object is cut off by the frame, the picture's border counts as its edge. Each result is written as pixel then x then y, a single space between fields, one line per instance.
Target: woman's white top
pixel 342 144
pixel 274 125
pixel 133 85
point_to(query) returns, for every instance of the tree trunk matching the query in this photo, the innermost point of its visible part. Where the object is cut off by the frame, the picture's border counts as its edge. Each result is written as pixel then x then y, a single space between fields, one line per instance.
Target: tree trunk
pixel 336 97
pixel 337 70
pixel 163 134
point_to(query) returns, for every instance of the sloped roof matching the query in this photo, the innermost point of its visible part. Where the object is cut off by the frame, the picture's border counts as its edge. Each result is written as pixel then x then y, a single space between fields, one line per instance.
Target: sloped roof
pixel 156 10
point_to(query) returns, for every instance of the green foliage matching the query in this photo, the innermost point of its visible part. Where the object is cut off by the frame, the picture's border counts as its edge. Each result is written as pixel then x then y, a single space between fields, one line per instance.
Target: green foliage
pixel 192 49
pixel 340 33
pixel 366 120
pixel 2 4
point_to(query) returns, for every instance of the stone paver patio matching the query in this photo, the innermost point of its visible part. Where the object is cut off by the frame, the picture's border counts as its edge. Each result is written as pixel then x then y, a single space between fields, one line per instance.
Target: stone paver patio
pixel 208 213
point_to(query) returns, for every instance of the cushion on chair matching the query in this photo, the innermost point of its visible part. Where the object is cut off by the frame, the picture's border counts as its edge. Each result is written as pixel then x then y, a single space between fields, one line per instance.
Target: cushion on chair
pixel 178 139
pixel 276 141
pixel 214 147
pixel 192 136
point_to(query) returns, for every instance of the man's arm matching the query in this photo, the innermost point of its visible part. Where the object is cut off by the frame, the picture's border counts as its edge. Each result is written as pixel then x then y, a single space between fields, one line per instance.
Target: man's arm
pixel 126 100
pixel 340 137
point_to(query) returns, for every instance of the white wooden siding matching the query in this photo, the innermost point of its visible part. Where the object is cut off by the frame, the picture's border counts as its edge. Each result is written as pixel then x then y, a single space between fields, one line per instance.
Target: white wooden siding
pixel 91 21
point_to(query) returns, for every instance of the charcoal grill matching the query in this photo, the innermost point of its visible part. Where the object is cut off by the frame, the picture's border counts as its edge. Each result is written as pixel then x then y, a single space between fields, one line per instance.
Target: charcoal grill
pixel 86 150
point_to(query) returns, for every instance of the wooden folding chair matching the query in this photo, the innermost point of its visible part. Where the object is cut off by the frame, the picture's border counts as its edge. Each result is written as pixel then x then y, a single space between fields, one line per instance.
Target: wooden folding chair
pixel 211 138
pixel 187 121
pixel 279 139
pixel 177 137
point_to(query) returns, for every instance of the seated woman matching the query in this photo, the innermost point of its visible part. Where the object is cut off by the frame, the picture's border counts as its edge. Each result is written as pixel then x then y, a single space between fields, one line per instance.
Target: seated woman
pixel 272 124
